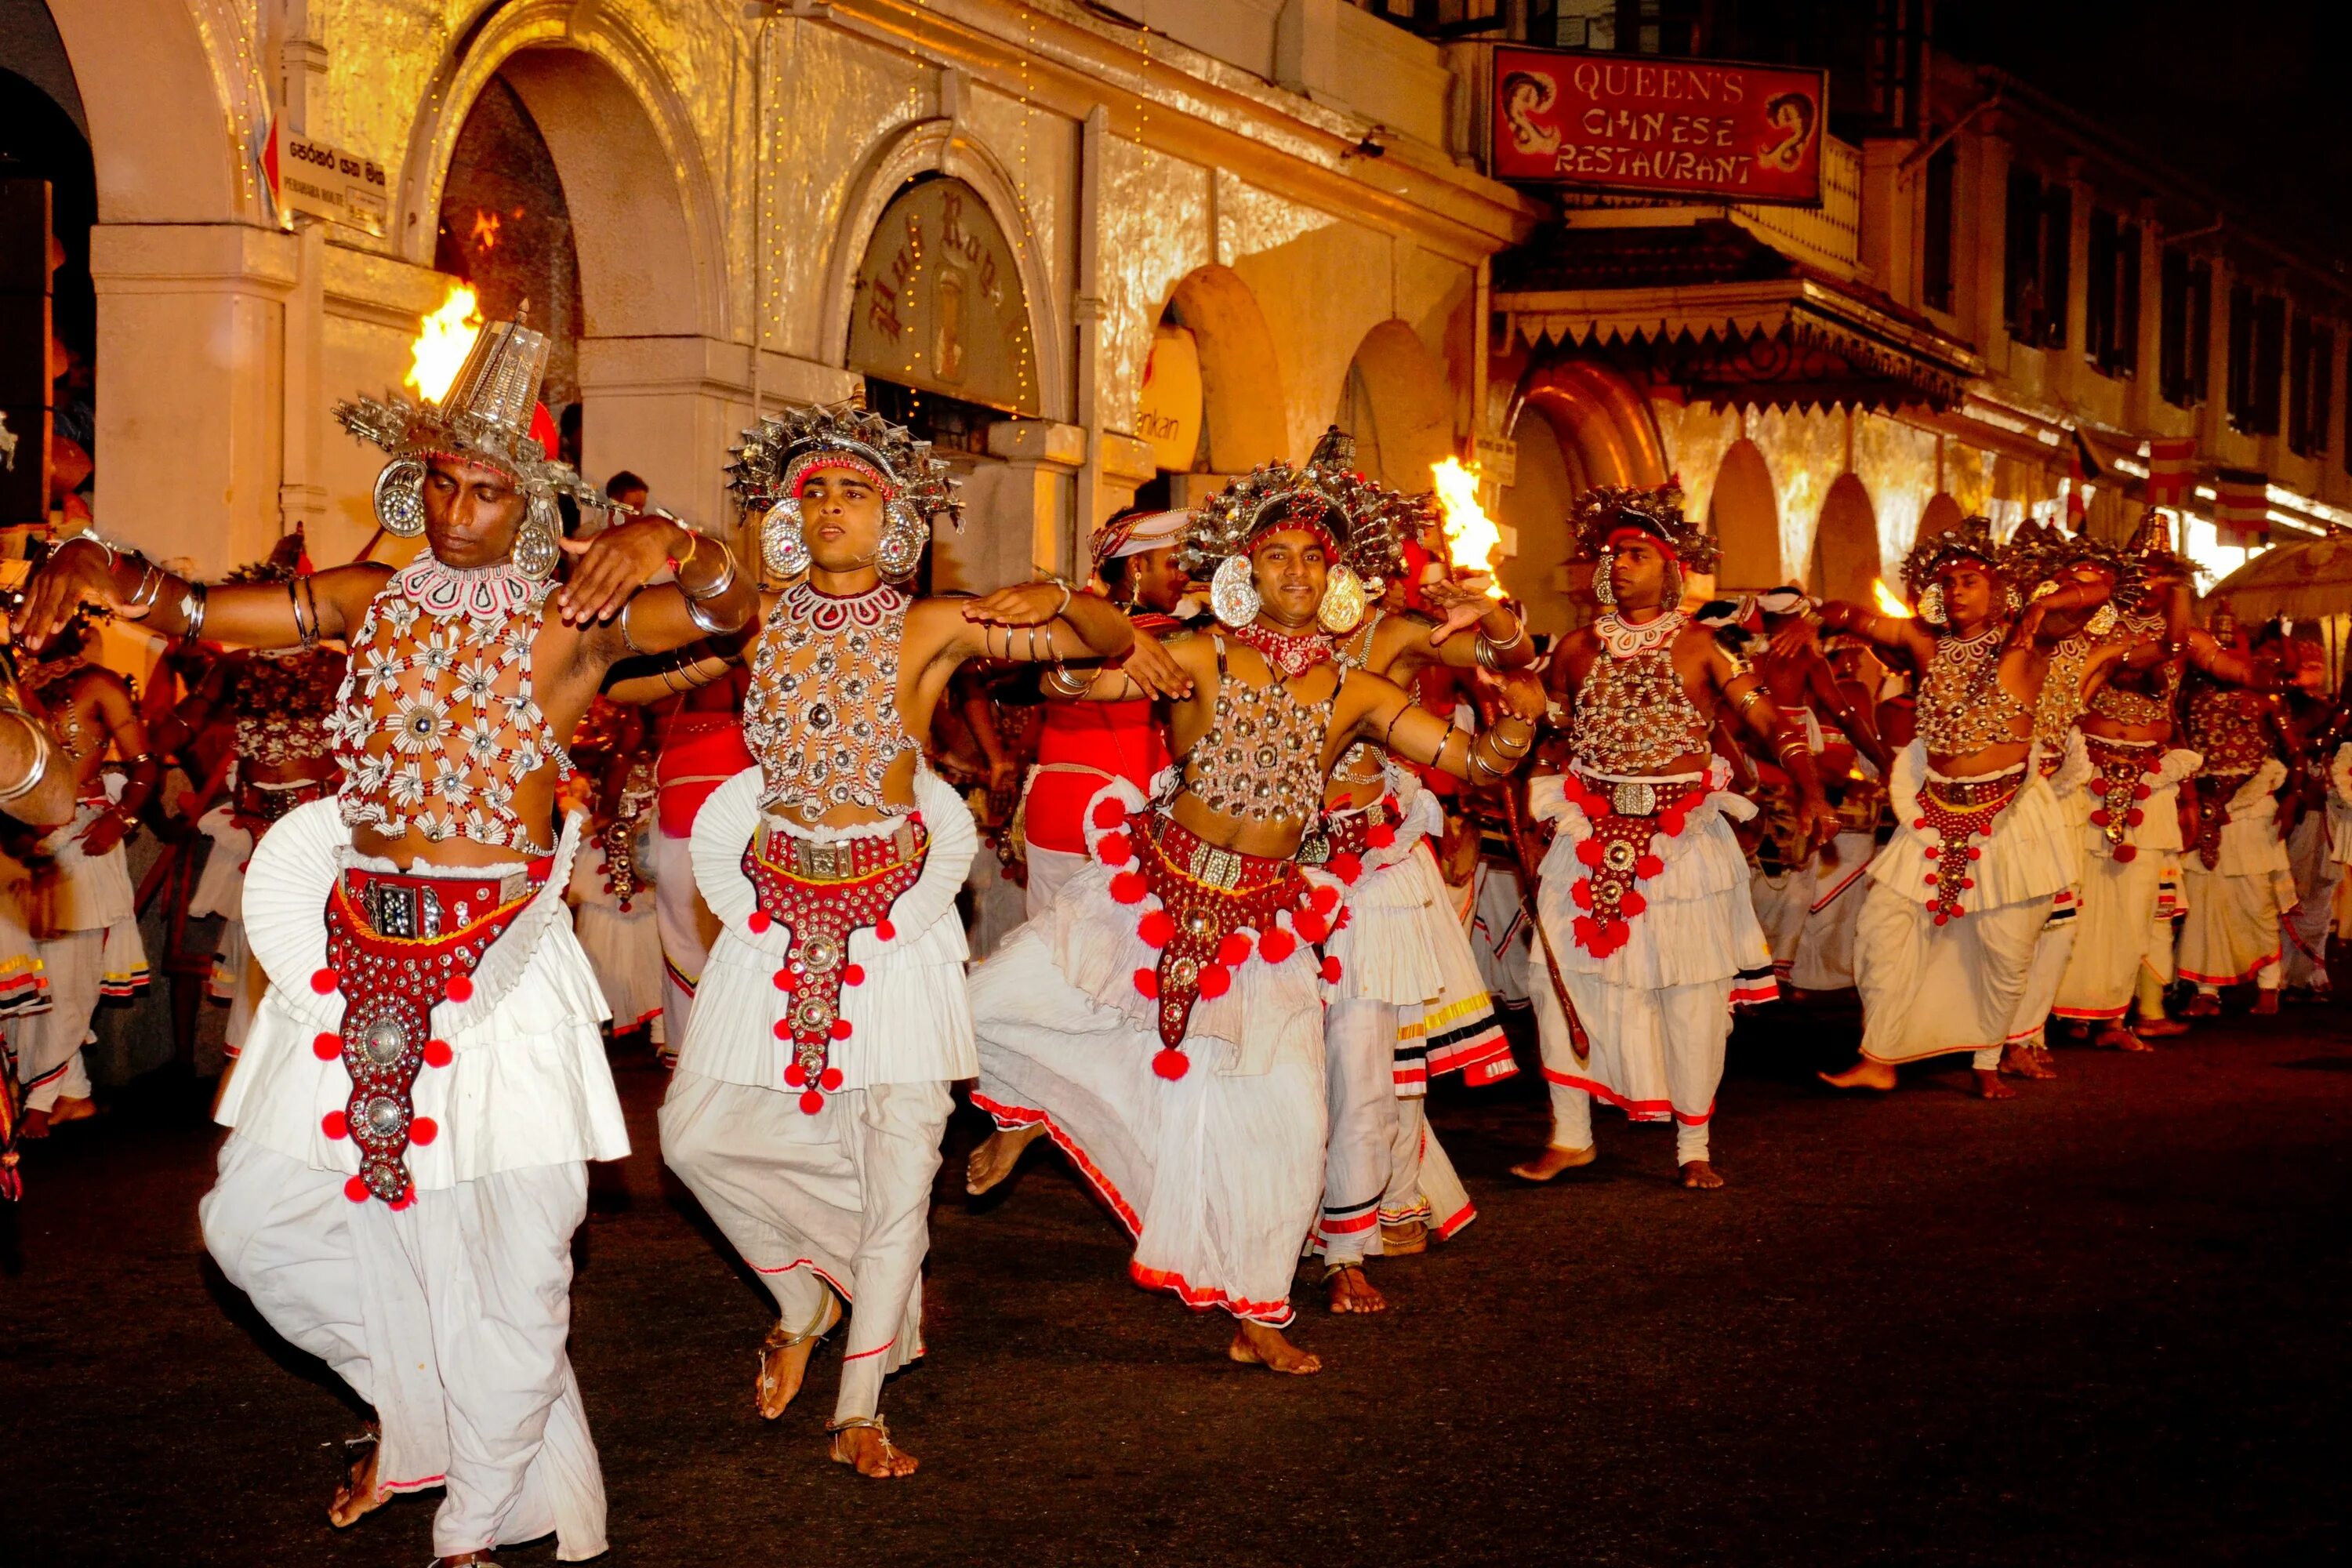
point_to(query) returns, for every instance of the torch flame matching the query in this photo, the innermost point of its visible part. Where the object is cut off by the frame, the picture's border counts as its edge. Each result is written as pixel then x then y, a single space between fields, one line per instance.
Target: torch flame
pixel 440 350
pixel 1471 540
pixel 1889 603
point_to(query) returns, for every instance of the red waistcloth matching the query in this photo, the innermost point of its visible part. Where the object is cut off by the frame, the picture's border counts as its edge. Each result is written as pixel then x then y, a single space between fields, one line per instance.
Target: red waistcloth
pixel 699 752
pixel 1119 738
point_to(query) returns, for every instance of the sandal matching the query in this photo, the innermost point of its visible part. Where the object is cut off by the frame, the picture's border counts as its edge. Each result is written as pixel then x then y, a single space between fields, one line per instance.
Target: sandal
pixel 1405 1239
pixel 874 1424
pixel 766 1388
pixel 358 1455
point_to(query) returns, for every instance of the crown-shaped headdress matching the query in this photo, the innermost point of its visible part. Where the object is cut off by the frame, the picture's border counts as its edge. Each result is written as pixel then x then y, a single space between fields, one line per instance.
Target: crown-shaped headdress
pixel 492 416
pixel 916 487
pixel 1605 510
pixel 2151 542
pixel 1970 539
pixel 1363 524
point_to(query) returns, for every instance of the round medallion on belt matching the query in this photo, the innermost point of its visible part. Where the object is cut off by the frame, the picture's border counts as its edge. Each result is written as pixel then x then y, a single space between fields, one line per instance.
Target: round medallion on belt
pixel 819 954
pixel 382 1042
pixel 1619 857
pixel 385 1117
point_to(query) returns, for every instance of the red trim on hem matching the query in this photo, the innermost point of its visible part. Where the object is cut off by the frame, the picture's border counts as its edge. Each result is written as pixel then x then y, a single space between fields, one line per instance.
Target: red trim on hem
pixel 1272 1314
pixel 386 1488
pixel 1022 1116
pixel 1445 1230
pixel 1365 1221
pixel 878 1350
pixel 1927 1056
pixel 809 1264
pixel 1638 1110
pixel 1833 895
pixel 2091 1015
pixel 2247 978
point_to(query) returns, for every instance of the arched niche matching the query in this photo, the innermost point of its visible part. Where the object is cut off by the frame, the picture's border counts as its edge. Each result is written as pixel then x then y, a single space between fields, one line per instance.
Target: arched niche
pixel 1398 406
pixel 1537 506
pixel 165 115
pixel 946 147
pixel 1744 514
pixel 1845 544
pixel 1601 416
pixel 1942 512
pixel 942 308
pixel 1243 415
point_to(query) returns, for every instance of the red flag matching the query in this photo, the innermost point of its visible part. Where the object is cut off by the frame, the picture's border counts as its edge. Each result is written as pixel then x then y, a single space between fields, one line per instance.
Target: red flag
pixel 2241 508
pixel 2170 463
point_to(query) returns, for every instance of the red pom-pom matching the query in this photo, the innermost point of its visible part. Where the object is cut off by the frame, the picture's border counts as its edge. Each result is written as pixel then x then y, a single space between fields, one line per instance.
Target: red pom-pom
pixel 1647 865
pixel 841 1029
pixel 1930 878
pixel 1632 903
pixel 759 920
pixel 1276 945
pixel 1589 851
pixel 1670 823
pixel 356 1189
pixel 2126 852
pixel 1346 867
pixel 1325 899
pixel 1380 836
pixel 1147 984
pixel 1309 925
pixel 1586 932
pixel 335 1124
pixel 1975 853
pixel 1919 824
pixel 795 1076
pixel 784 1028
pixel 1156 928
pixel 1941 917
pixel 853 974
pixel 885 930
pixel 2099 817
pixel 1581 892
pixel 1234 950
pixel 1170 1064
pixel 1215 980
pixel 787 981
pixel 2134 817
pixel 1129 887
pixel 327 1048
pixel 423 1130
pixel 2097 786
pixel 1110 815
pixel 1113 849
pixel 2142 792
pixel 325 981
pixel 459 989
pixel 812 1102
pixel 1330 972
pixel 407 1199
pixel 438 1054
pixel 831 1081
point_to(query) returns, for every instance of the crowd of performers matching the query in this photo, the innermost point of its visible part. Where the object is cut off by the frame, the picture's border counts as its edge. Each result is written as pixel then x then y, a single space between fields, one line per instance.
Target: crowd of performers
pixel 1276 871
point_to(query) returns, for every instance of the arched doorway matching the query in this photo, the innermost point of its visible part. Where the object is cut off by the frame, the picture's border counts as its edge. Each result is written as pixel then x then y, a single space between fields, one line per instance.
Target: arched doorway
pixel 1744 514
pixel 1397 405
pixel 1845 546
pixel 49 203
pixel 1243 414
pixel 1537 506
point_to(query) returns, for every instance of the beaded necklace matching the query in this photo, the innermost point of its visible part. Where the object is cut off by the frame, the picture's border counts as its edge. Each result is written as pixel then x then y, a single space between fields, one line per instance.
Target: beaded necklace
pixel 823 714
pixel 1261 759
pixel 1634 714
pixel 1291 653
pixel 1963 706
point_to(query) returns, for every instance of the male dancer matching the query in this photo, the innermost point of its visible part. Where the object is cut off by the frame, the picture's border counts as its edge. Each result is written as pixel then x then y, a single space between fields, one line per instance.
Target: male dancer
pixel 85 921
pixel 2237 876
pixel 1163 1022
pixel 1407 1005
pixel 1083 745
pixel 810 1093
pixel 425 1079
pixel 1948 933
pixel 1643 894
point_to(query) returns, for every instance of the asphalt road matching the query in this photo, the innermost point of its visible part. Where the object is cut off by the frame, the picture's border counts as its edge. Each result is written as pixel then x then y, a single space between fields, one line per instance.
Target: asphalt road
pixel 2105 1324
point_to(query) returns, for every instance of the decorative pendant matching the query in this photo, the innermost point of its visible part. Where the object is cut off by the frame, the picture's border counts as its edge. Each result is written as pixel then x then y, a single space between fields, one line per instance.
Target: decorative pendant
pixel 1232 592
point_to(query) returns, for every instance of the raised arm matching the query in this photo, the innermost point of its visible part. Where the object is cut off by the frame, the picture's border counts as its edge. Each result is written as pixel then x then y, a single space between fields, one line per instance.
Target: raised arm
pixel 2033 624
pixel 1502 642
pixel 706 596
pixel 91 571
pixel 1896 633
pixel 1860 726
pixel 1391 718
pixel 116 711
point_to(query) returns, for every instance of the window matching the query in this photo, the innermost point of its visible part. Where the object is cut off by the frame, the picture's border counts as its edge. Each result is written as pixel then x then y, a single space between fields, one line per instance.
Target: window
pixel 2040 228
pixel 1936 269
pixel 2111 295
pixel 2186 328
pixel 2311 367
pixel 2257 359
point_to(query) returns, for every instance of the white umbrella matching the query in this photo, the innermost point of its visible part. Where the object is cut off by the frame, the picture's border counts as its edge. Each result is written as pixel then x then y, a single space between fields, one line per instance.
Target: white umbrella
pixel 2310 581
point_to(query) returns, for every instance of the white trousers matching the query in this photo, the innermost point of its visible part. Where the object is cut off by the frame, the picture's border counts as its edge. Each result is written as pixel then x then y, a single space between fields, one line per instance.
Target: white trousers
pixel 1360 1040
pixel 449 1317
pixel 686 927
pixel 2053 951
pixel 1423 1184
pixel 48 1050
pixel 836 1201
pixel 1686 1026
pixel 2309 923
pixel 1048 870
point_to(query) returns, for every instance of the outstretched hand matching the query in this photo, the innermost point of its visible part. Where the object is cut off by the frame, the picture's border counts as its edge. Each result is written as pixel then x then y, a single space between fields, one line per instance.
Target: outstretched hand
pixel 76 575
pixel 1520 693
pixel 1155 670
pixel 1797 639
pixel 1464 605
pixel 614 565
pixel 1022 604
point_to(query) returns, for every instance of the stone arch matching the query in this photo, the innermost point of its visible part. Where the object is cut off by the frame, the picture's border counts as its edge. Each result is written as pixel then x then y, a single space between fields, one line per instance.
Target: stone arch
pixel 1602 417
pixel 1745 513
pixel 645 214
pixel 1536 505
pixel 1398 406
pixel 1941 513
pixel 174 125
pixel 945 146
pixel 1245 418
pixel 1846 543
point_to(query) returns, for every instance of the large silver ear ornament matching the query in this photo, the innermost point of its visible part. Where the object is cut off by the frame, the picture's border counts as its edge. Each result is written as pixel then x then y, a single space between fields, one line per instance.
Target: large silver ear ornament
pixel 538 543
pixel 781 544
pixel 1232 592
pixel 1931 605
pixel 900 549
pixel 399 498
pixel 1342 608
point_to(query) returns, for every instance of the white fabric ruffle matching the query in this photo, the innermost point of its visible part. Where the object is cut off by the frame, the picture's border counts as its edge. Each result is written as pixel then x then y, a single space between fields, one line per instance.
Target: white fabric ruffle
pixel 1397 913
pixel 2030 854
pixel 2250 846
pixel 85 891
pixel 910 1021
pixel 528 1083
pixel 221 890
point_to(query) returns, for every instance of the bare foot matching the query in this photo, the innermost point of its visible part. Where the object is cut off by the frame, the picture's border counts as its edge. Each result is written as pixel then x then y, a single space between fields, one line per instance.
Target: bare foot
pixel 869 1451
pixel 1404 1240
pixel 997 1155
pixel 1254 1344
pixel 2161 1028
pixel 478 1559
pixel 69 1109
pixel 35 1125
pixel 1553 1161
pixel 1864 1074
pixel 2204 1007
pixel 1351 1292
pixel 784 1357
pixel 1989 1087
pixel 2019 1061
pixel 357 1497
pixel 2265 1007
pixel 1699 1174
pixel 2116 1038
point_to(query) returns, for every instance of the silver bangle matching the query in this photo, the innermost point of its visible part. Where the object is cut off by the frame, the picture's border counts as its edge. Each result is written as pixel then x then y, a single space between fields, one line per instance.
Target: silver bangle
pixel 39 769
pixel 626 640
pixel 717 586
pixel 193 605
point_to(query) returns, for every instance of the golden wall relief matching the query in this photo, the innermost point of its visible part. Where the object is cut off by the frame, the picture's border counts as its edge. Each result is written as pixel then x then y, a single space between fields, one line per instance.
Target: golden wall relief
pixel 939 304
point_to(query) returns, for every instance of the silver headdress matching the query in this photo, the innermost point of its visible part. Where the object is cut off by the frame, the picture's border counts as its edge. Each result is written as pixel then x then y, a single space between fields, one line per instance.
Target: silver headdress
pixel 916 487
pixel 1363 525
pixel 490 415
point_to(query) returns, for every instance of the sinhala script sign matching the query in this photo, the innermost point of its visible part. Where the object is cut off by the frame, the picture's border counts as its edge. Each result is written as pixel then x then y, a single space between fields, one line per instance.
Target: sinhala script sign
pixel 1624 122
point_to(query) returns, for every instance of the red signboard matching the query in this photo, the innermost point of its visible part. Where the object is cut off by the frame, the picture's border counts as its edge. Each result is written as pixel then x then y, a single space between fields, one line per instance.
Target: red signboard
pixel 1632 122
